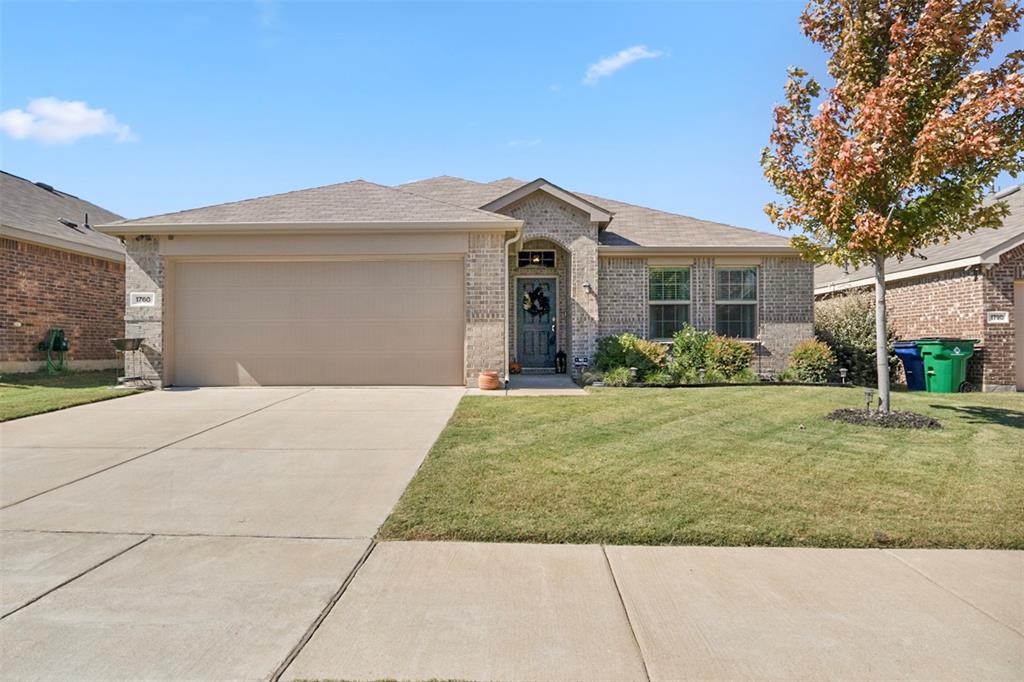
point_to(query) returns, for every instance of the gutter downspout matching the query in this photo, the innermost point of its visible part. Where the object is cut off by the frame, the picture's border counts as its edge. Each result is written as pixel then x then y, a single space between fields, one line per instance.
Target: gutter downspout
pixel 512 240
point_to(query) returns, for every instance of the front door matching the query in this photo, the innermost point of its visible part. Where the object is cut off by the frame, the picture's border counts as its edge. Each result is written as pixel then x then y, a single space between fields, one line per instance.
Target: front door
pixel 536 321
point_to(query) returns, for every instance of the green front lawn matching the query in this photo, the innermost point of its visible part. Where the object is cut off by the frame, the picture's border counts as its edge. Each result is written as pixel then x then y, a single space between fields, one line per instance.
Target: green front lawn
pixel 721 466
pixel 22 395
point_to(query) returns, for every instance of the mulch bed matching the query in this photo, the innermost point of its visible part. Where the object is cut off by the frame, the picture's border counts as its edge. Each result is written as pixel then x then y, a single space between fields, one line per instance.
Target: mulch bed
pixel 897 419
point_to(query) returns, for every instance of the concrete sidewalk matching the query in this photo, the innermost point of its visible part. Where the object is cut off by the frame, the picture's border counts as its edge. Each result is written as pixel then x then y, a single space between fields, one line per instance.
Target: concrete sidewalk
pixel 469 611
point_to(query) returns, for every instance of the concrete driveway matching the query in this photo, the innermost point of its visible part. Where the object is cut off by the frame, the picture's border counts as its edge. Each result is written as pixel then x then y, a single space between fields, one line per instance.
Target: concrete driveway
pixel 226 534
pixel 194 534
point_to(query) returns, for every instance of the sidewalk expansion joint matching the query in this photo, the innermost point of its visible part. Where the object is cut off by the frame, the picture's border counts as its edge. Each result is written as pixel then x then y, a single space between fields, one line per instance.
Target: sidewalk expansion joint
pixel 625 611
pixel 946 589
pixel 76 577
pixel 150 452
pixel 311 630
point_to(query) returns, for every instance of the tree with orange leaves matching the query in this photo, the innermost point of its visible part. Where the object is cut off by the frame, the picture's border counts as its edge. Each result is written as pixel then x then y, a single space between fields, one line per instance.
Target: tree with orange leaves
pixel 901 150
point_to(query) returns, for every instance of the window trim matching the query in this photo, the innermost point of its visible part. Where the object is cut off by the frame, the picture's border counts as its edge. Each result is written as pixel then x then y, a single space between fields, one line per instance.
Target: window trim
pixel 756 303
pixel 651 302
pixel 554 258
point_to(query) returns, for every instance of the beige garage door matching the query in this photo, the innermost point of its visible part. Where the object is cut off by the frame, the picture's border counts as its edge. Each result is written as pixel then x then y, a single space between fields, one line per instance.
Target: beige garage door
pixel 318 323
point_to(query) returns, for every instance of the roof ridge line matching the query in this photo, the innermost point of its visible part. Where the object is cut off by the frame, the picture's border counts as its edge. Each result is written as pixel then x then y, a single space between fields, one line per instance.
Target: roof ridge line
pixel 489 214
pixel 242 201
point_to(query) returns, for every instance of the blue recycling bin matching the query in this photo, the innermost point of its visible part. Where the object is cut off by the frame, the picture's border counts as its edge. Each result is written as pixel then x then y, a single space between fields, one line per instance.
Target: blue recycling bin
pixel 913 364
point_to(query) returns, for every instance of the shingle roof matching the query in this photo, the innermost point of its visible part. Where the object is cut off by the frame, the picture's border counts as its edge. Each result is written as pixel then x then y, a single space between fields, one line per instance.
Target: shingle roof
pixel 348 202
pixel 30 208
pixel 631 225
pixel 975 245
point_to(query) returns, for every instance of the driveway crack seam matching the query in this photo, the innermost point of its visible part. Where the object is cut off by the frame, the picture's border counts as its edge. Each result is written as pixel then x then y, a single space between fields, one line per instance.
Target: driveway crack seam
pixel 946 589
pixel 629 621
pixel 150 452
pixel 76 577
pixel 326 611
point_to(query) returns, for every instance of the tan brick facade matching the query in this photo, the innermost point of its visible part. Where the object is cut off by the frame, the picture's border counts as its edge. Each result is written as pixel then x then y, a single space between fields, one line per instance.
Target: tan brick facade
pixel 595 296
pixel 785 301
pixel 145 272
pixel 622 285
pixel 43 288
pixel 545 217
pixel 955 303
pixel 485 314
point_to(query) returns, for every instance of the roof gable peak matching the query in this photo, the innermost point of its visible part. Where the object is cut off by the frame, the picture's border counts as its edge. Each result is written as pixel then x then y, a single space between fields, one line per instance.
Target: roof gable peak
pixel 597 213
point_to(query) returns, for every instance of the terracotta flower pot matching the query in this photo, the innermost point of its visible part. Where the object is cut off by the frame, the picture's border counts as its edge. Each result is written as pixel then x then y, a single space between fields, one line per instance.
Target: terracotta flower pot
pixel 488 381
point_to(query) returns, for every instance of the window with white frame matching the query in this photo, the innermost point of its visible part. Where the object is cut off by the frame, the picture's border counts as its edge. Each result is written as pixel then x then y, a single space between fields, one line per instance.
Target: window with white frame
pixel 736 301
pixel 669 296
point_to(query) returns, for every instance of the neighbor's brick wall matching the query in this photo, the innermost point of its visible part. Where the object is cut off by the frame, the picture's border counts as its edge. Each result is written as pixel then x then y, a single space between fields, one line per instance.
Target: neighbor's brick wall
pixel 622 283
pixel 485 274
pixel 144 271
pixel 942 304
pixel 999 371
pixel 43 288
pixel 545 217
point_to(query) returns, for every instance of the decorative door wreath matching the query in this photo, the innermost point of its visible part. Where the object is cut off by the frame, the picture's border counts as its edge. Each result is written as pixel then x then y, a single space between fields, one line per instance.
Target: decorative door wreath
pixel 535 301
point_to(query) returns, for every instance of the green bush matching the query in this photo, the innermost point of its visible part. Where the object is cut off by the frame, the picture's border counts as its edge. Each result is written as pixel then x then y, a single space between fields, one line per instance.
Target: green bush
pixel 729 356
pixel 812 361
pixel 720 357
pixel 847 324
pixel 618 376
pixel 658 378
pixel 689 353
pixel 629 350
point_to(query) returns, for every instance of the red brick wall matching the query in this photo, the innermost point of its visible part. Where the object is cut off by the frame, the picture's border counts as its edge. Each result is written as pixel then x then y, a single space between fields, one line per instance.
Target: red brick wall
pixel 45 288
pixel 943 304
pixel 955 303
pixel 999 338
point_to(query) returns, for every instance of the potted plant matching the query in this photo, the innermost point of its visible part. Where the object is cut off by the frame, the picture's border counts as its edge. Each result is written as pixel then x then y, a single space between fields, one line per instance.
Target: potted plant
pixel 488 380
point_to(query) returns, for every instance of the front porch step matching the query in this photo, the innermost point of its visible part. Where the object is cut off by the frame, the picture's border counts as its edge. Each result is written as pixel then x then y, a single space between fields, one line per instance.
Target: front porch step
pixel 538 370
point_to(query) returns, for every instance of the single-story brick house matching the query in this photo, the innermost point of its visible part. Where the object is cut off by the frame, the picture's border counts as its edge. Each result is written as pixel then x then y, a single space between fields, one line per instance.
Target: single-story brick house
pixel 434 281
pixel 970 288
pixel 57 272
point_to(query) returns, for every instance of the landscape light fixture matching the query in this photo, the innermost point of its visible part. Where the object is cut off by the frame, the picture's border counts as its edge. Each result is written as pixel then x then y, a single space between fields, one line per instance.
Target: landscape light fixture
pixel 842 374
pixel 868 394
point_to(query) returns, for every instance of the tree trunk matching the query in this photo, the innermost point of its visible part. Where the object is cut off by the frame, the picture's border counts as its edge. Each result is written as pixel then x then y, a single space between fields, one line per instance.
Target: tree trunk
pixel 881 335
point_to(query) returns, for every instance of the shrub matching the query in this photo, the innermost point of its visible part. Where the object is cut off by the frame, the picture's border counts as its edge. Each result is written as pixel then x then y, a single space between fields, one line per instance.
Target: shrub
pixel 720 357
pixel 629 350
pixel 618 376
pixel 689 353
pixel 847 324
pixel 658 378
pixel 729 356
pixel 812 361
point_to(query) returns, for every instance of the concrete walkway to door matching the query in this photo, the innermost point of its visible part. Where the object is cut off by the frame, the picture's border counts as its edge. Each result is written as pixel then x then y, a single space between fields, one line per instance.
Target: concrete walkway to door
pixel 194 534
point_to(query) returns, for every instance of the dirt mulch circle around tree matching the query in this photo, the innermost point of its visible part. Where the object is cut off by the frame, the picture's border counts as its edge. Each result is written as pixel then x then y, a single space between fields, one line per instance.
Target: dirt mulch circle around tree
pixel 897 419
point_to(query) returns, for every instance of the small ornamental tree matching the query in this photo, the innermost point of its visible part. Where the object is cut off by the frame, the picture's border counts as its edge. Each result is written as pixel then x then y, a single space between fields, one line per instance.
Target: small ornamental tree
pixel 901 150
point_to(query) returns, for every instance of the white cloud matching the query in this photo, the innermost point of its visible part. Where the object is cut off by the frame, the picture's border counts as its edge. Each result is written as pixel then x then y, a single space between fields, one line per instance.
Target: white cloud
pixel 57 121
pixel 610 65
pixel 532 142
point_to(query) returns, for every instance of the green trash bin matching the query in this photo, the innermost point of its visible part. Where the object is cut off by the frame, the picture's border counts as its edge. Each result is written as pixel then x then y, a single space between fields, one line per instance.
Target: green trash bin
pixel 945 364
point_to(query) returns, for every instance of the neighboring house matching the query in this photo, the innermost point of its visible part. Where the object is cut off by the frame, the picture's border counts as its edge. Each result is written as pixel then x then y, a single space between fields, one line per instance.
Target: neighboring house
pixel 57 272
pixel 970 288
pixel 434 281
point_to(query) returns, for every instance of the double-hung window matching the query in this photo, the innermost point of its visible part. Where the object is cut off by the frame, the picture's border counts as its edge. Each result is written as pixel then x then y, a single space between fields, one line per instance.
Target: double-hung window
pixel 669 297
pixel 736 302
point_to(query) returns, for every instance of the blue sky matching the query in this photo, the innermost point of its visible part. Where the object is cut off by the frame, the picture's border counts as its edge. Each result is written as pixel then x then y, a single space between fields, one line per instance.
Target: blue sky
pixel 210 102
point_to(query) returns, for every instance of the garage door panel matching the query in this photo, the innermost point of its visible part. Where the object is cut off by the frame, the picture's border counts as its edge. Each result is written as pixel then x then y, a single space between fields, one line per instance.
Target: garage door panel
pixel 318 323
